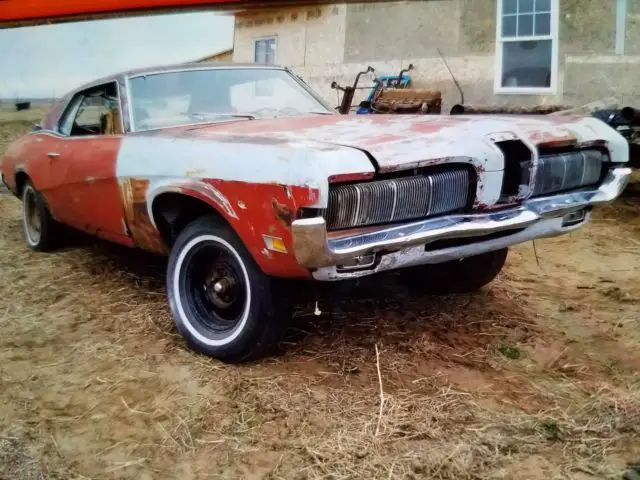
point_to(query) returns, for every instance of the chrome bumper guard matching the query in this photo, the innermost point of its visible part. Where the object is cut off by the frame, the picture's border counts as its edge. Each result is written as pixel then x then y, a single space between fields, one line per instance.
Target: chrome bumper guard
pixel 314 249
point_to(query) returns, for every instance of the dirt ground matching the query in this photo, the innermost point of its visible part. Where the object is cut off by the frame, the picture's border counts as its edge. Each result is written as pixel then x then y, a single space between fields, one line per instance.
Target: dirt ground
pixel 535 377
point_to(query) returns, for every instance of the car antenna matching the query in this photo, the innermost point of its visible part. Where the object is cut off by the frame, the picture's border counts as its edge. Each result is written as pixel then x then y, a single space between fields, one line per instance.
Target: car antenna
pixel 452 76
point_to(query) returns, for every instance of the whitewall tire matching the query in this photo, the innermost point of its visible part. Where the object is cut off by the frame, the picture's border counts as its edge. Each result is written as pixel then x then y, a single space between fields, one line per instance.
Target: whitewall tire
pixel 38 226
pixel 222 303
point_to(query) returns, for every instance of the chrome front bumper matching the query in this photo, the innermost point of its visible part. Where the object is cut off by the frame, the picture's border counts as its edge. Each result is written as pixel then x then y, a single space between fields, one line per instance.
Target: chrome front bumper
pixel 537 217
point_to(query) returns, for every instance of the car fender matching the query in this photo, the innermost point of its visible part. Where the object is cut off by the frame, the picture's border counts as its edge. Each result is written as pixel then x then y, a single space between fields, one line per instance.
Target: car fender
pixel 260 214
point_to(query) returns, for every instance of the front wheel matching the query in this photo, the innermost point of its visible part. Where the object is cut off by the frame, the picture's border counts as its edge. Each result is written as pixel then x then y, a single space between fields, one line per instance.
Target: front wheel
pixel 221 301
pixel 457 276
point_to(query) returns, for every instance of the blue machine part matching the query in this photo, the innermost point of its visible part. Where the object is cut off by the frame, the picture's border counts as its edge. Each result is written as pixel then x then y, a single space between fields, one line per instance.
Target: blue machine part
pixel 385 81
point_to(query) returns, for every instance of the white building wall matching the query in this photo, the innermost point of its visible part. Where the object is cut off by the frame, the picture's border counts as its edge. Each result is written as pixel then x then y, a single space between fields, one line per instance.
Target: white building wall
pixel 334 42
pixel 304 35
pixel 311 41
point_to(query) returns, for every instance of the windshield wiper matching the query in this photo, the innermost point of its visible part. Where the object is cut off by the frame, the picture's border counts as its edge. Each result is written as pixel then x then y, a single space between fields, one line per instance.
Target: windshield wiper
pixel 207 115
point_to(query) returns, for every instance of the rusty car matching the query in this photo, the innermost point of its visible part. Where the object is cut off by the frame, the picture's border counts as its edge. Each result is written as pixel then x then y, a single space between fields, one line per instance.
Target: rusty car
pixel 245 179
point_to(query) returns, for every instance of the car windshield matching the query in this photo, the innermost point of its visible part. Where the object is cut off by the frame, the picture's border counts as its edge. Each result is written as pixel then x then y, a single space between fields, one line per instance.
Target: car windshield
pixel 208 95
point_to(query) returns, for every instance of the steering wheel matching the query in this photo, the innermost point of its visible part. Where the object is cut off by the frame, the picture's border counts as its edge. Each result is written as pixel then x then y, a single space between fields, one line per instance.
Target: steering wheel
pixel 86 129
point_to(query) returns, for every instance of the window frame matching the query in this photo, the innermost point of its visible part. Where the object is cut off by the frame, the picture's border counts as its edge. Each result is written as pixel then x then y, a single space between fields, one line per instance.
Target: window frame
pixel 73 107
pixel 262 39
pixel 129 97
pixel 500 41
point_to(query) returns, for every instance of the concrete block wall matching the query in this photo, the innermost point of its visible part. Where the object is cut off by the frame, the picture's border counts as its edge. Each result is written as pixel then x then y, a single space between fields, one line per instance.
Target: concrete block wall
pixel 334 42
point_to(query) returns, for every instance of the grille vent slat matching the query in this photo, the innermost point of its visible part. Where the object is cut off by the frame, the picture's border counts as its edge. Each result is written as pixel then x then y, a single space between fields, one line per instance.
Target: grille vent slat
pixel 399 199
pixel 566 171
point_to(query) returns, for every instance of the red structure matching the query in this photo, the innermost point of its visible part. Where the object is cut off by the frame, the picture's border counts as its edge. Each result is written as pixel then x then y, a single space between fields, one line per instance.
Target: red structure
pixel 15 13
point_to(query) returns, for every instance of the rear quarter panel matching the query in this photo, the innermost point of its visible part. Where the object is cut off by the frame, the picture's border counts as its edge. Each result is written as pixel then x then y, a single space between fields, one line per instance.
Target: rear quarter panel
pixel 18 157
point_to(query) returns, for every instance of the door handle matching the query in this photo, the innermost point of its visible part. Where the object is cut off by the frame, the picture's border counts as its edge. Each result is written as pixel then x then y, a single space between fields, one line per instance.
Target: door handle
pixel 53 155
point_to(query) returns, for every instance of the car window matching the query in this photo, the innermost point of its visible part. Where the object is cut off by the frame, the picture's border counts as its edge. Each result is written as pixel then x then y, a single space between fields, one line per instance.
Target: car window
pixel 273 94
pixel 193 96
pixel 93 112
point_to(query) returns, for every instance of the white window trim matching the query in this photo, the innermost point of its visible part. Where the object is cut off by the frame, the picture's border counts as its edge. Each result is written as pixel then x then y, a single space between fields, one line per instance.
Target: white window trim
pixel 268 37
pixel 497 81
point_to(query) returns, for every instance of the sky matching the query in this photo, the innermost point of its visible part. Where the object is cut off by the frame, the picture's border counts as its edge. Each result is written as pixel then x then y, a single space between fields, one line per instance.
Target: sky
pixel 49 60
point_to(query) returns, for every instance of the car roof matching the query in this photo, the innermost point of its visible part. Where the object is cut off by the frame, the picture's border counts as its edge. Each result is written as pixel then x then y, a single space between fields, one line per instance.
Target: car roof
pixel 168 68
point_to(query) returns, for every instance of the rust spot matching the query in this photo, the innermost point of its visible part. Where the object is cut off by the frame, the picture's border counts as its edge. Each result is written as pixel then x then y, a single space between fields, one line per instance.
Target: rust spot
pixel 134 194
pixel 287 190
pixel 283 213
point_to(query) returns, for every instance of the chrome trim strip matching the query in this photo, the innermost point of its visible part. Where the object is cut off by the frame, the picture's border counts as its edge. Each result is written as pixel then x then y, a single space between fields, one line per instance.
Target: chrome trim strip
pixel 430 194
pixel 394 187
pixel 121 113
pixel 132 127
pixel 194 69
pixel 314 249
pixel 418 255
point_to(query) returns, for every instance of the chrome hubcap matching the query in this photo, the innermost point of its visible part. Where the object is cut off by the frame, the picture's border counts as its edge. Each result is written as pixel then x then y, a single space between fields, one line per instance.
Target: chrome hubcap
pixel 32 218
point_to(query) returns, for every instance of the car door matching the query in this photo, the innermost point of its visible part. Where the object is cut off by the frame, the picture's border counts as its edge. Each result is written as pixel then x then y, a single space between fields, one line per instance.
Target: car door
pixel 47 173
pixel 82 164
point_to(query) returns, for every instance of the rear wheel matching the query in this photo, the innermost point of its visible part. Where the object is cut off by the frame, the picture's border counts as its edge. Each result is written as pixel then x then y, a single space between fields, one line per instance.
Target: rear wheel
pixel 39 227
pixel 457 276
pixel 221 301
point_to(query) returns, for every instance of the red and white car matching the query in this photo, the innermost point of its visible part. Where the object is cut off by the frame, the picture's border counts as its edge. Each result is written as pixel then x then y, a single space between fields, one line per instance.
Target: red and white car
pixel 244 177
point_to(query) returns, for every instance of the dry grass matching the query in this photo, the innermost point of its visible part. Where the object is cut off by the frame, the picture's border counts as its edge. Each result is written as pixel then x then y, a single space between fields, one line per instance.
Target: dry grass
pixel 9 115
pixel 534 377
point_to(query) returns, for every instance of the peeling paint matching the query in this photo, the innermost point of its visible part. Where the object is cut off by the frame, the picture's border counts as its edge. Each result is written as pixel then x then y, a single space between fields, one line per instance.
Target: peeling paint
pixel 143 230
pixel 283 213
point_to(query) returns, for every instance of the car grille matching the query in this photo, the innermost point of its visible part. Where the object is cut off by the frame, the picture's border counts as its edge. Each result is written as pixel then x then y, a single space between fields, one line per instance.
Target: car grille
pixel 568 171
pixel 395 200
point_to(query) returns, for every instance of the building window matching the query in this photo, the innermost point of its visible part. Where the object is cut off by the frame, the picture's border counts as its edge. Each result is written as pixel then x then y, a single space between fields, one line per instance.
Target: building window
pixel 527 46
pixel 265 51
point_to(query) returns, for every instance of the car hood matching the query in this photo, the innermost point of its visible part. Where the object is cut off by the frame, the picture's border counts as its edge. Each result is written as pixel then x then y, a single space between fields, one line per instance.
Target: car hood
pixel 397 142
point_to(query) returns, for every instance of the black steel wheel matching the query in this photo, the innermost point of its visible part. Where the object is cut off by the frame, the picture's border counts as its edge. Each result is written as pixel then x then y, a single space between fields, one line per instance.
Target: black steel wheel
pixel 222 303
pixel 39 227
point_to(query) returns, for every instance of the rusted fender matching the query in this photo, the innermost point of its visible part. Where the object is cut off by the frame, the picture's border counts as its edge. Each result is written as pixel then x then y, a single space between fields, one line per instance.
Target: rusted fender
pixel 258 189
